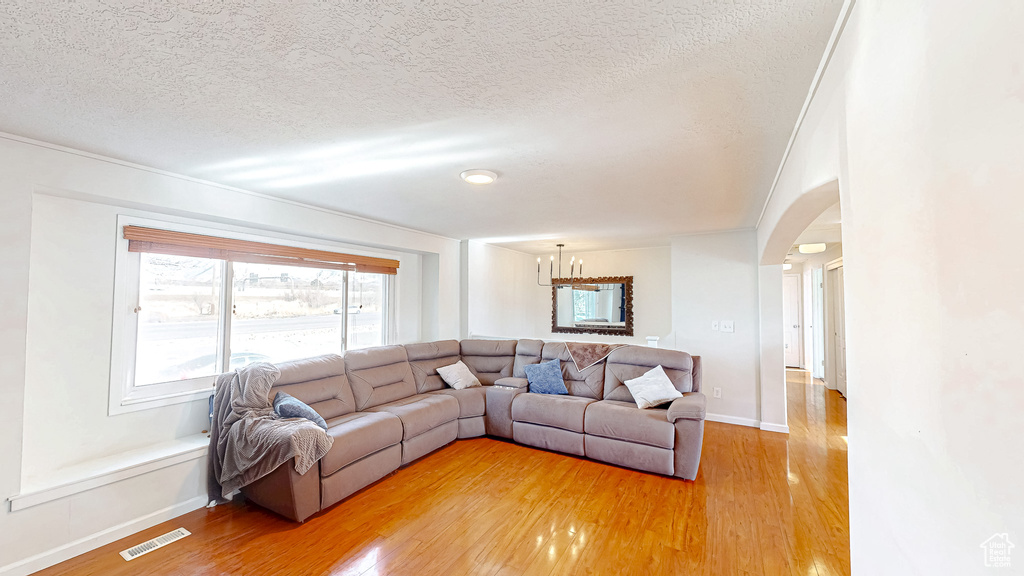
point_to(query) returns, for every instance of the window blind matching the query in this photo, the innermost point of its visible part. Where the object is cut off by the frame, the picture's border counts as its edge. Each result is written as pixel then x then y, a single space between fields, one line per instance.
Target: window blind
pixel 173 243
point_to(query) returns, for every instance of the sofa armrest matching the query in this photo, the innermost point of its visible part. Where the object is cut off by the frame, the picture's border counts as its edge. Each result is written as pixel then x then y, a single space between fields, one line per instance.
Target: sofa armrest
pixel 691 406
pixel 510 382
pixel 292 495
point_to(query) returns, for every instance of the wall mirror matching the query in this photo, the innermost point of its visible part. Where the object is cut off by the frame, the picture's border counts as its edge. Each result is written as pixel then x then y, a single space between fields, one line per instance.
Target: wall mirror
pixel 593 306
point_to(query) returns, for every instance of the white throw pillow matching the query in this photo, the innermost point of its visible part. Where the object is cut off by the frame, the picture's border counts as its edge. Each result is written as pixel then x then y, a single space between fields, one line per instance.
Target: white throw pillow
pixel 458 376
pixel 653 388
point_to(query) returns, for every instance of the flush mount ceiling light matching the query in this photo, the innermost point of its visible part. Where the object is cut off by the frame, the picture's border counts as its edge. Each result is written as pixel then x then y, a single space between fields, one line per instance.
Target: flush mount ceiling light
pixel 812 248
pixel 479 176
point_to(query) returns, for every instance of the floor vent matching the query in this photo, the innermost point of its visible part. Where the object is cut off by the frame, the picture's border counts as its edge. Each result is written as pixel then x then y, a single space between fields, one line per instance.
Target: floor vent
pixel 158 542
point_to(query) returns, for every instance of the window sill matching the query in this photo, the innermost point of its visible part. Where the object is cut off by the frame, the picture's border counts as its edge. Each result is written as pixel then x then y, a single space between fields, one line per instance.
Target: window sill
pixel 103 471
pixel 130 403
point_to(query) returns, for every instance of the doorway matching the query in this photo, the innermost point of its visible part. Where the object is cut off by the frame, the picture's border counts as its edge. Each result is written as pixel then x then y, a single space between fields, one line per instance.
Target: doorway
pixel 837 325
pixel 792 310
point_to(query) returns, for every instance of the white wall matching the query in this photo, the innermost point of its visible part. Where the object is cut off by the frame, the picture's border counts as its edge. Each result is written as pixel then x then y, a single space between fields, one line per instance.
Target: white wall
pixel 714 277
pixel 924 130
pixel 505 301
pixel 772 350
pixel 58 231
pixel 502 297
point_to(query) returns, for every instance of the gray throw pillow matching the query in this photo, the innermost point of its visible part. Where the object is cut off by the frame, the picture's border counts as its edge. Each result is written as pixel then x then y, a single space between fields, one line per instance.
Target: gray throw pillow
pixel 288 406
pixel 546 378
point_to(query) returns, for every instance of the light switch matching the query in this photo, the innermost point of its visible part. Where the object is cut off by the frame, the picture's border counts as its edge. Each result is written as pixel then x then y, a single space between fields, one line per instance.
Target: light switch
pixel 727 326
pixel 714 325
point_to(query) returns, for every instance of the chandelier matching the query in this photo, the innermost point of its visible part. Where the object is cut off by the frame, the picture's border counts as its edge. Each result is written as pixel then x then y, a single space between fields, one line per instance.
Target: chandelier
pixel 558 280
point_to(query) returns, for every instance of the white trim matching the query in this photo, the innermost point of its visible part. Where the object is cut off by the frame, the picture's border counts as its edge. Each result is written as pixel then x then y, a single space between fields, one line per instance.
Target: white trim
pixel 103 537
pixel 782 428
pixel 736 420
pixel 837 263
pixel 833 42
pixel 109 470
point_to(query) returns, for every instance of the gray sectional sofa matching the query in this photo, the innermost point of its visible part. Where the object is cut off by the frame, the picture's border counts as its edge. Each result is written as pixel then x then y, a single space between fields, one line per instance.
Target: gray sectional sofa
pixel 387 406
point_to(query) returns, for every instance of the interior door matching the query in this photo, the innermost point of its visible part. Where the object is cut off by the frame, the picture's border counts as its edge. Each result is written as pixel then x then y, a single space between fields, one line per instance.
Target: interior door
pixel 818 322
pixel 840 334
pixel 793 334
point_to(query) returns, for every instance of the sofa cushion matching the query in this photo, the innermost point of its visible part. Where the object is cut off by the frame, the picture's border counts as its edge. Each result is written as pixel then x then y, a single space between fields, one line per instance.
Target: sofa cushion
pixel 379 375
pixel 630 362
pixel 527 352
pixel 320 382
pixel 652 388
pixel 458 376
pixel 588 383
pixel 546 378
pixel 426 357
pixel 288 406
pixel 357 435
pixel 422 412
pixel 565 412
pixel 624 421
pixel 489 360
pixel 472 401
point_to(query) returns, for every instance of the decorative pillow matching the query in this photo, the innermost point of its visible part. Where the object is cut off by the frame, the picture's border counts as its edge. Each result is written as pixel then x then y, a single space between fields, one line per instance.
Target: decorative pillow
pixel 458 376
pixel 653 388
pixel 288 406
pixel 546 378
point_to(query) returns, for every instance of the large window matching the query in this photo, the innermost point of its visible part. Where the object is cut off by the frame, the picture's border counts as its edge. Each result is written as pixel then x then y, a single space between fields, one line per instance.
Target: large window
pixel 191 317
pixel 284 312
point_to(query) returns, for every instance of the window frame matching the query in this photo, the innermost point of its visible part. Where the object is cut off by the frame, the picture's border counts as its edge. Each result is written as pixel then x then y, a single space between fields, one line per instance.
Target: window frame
pixel 125 396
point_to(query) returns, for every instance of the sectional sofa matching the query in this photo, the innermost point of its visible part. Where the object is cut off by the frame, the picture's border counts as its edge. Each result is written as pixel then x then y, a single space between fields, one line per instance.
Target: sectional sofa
pixel 387 406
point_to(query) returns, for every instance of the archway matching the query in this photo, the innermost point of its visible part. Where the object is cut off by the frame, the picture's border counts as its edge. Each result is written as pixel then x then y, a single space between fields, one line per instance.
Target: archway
pixel 800 214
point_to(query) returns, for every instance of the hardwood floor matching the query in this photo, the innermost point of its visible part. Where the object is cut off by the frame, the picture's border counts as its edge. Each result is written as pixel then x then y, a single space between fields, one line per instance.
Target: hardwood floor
pixel 763 503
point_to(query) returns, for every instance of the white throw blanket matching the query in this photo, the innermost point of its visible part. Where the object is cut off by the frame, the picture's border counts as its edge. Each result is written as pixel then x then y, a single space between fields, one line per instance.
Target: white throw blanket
pixel 248 440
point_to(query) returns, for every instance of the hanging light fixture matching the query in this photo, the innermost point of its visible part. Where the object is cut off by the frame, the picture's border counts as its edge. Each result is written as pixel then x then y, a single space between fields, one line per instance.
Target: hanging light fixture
pixel 558 280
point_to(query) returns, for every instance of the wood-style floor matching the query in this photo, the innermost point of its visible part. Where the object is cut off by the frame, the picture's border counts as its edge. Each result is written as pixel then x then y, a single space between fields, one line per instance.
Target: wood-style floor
pixel 763 503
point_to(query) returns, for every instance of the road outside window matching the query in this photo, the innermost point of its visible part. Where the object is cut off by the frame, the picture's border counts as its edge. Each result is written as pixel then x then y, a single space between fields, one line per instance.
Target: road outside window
pixel 284 312
pixel 179 308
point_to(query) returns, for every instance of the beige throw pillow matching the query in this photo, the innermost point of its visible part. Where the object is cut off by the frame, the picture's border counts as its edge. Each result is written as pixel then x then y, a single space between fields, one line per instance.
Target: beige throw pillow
pixel 458 376
pixel 653 388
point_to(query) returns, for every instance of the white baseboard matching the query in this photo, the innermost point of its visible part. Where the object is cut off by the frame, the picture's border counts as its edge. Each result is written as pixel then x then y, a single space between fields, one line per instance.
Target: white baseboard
pixel 752 422
pixel 783 428
pixel 101 538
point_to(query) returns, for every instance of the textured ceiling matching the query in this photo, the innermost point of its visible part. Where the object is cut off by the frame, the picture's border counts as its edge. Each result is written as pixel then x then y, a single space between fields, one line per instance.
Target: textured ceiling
pixel 610 124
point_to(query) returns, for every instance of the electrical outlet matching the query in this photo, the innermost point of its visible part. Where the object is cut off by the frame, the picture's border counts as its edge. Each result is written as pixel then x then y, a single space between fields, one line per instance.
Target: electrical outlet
pixel 718 392
pixel 714 325
pixel 727 326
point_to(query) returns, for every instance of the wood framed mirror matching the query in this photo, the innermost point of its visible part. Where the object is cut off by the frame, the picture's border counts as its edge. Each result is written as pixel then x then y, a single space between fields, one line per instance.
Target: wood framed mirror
pixel 592 305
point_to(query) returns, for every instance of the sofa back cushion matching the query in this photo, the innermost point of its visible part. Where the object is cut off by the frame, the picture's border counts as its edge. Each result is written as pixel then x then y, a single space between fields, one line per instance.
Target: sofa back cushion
pixel 527 352
pixel 631 362
pixel 320 382
pixel 426 357
pixel 379 375
pixel 489 360
pixel 588 383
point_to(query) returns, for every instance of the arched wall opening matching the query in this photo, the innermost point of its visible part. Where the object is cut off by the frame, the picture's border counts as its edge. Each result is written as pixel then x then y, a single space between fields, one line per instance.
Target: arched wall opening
pixel 796 218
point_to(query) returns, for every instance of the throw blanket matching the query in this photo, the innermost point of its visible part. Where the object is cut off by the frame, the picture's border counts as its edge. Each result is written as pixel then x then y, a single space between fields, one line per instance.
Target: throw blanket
pixel 586 354
pixel 248 440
